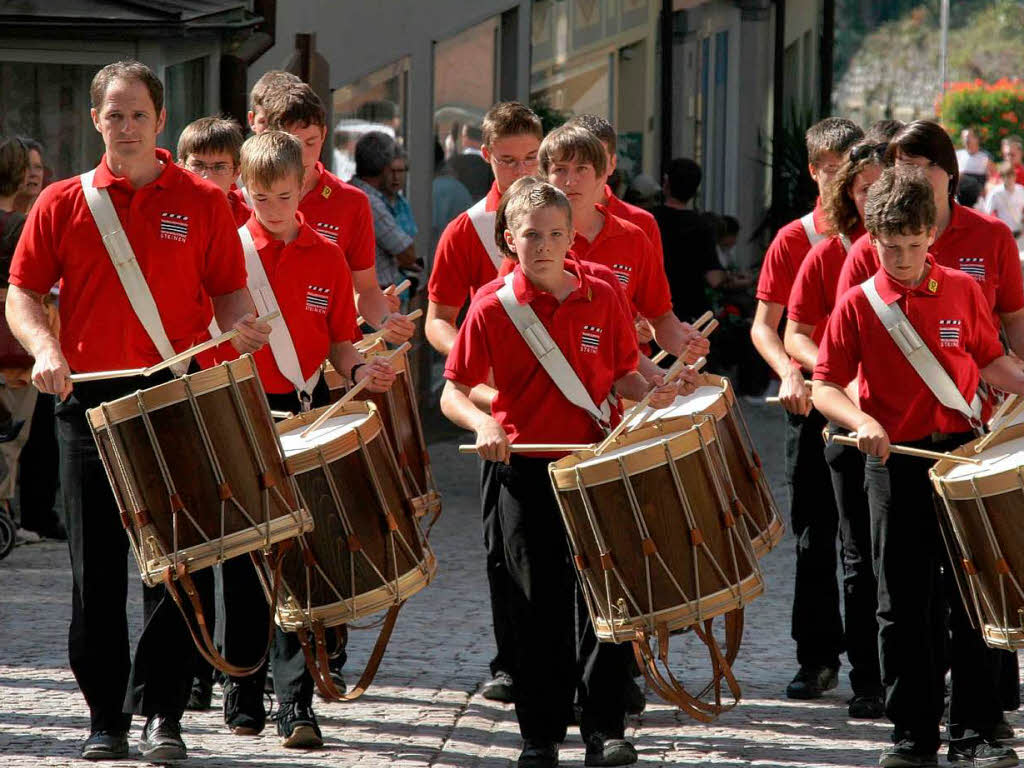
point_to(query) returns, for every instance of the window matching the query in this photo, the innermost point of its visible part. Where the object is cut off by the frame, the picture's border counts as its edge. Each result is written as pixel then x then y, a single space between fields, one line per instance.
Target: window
pixel 377 102
pixel 184 97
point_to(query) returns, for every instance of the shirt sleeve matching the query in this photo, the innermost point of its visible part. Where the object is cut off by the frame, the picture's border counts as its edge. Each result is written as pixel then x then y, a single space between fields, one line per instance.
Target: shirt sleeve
pixel 839 352
pixel 361 248
pixel 807 298
pixel 341 317
pixel 1010 292
pixel 653 297
pixel 627 353
pixel 225 264
pixel 449 277
pixel 35 265
pixel 469 362
pixel 858 266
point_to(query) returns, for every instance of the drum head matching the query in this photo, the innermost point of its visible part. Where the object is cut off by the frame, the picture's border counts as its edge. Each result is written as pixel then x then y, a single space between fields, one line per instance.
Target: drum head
pixel 293 442
pixel 698 401
pixel 624 450
pixel 1004 457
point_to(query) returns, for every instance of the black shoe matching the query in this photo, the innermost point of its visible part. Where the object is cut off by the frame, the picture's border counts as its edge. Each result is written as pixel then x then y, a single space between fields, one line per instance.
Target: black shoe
pixel 297 726
pixel 243 707
pixel 810 682
pixel 604 751
pixel 499 689
pixel 201 697
pixel 105 745
pixel 983 753
pixel 538 754
pixel 870 707
pixel 1002 731
pixel 636 702
pixel 339 683
pixel 161 739
pixel 907 754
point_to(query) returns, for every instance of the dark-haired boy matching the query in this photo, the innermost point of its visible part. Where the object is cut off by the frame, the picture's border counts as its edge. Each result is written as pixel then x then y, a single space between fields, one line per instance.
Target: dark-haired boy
pixel 948 312
pixel 210 147
pixel 817 625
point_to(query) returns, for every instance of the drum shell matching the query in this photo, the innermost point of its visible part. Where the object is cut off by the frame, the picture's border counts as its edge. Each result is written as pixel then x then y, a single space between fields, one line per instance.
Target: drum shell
pixel 984 522
pixel 620 603
pixel 748 478
pixel 353 577
pixel 161 534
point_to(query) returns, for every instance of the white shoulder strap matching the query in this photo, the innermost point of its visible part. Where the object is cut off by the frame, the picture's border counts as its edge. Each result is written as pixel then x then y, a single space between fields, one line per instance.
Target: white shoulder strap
pixel 483 223
pixel 245 195
pixel 920 356
pixel 549 355
pixel 846 243
pixel 128 271
pixel 809 230
pixel 281 345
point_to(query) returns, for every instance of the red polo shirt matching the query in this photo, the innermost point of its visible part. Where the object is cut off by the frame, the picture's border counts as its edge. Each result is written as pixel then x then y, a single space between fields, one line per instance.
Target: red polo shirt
pixel 589 268
pixel 313 288
pixel 783 258
pixel 341 213
pixel 240 210
pixel 461 264
pixel 635 215
pixel 814 292
pixel 952 317
pixel 973 242
pixel 184 239
pixel 591 329
pixel 626 251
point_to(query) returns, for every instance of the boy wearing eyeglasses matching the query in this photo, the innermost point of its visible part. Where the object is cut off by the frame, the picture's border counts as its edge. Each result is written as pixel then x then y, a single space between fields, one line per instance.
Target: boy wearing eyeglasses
pixel 210 147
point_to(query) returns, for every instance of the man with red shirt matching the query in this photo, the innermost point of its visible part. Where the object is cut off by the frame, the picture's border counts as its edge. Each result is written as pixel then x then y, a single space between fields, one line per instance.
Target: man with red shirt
pixel 953 320
pixel 200 257
pixel 817 626
pixel 465 260
pixel 336 210
pixel 574 160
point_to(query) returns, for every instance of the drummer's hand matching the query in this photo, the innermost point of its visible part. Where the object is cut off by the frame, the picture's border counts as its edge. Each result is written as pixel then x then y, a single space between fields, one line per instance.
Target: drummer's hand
pixel 663 395
pixel 644 332
pixel 394 301
pixel 696 345
pixel 873 440
pixel 380 373
pixel 50 372
pixel 688 381
pixel 397 328
pixel 492 442
pixel 794 394
pixel 251 334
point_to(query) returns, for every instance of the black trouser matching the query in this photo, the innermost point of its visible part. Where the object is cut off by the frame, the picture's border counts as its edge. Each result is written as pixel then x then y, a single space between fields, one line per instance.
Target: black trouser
pixel 817 625
pixel 38 470
pixel 159 680
pixel 860 589
pixel 913 600
pixel 541 598
pixel 497 575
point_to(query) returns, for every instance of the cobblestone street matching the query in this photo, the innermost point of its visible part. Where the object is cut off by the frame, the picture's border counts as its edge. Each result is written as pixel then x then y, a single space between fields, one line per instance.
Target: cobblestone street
pixel 424 708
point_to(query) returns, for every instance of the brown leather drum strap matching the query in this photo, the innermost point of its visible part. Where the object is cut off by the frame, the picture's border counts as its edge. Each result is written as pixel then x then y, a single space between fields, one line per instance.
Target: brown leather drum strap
pixel 203 640
pixel 318 661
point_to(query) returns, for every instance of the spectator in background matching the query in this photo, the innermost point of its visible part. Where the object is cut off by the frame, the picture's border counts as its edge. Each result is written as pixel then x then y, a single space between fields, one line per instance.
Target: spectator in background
pixel 449 197
pixel 34 179
pixel 375 152
pixel 469 166
pixel 972 160
pixel 1013 152
pixel 402 211
pixel 688 241
pixel 970 193
pixel 643 192
pixel 1006 203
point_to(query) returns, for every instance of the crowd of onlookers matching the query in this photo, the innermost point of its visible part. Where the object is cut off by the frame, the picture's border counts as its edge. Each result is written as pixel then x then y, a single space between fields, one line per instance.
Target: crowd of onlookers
pixel 995 187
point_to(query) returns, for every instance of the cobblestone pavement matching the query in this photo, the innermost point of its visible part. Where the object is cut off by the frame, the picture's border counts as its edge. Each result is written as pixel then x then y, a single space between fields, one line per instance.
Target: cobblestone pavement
pixel 425 708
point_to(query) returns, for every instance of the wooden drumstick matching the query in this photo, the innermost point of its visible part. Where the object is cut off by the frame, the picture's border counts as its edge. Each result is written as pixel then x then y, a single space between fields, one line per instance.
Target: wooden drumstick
pixel 1001 424
pixel 671 375
pixel 371 337
pixel 921 453
pixel 660 356
pixel 537 448
pixel 99 375
pixel 202 347
pixel 696 324
pixel 349 395
pixel 391 290
pixel 281 414
pixel 647 413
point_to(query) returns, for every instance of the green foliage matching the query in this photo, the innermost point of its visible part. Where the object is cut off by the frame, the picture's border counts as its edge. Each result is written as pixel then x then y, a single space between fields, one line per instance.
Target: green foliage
pixel 995 110
pixel 550 117
pixel 797 191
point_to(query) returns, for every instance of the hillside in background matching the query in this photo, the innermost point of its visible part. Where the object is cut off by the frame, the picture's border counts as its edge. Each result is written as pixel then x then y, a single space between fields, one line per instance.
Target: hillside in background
pixel 887 53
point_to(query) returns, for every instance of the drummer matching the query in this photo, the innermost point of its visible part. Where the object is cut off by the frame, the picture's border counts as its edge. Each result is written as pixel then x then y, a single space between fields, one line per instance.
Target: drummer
pixel 209 147
pixel 312 286
pixel 953 318
pixel 587 322
pixel 181 232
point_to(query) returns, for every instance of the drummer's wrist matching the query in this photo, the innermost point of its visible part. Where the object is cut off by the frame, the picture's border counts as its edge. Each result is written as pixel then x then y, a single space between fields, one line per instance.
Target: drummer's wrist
pixel 352 372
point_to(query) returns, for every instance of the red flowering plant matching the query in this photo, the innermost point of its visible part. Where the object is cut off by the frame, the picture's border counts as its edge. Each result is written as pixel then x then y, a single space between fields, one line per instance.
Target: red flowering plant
pixel 995 110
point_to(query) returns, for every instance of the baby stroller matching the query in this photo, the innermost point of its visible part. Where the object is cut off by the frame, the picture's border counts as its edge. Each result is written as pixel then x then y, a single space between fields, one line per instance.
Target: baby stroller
pixel 8 431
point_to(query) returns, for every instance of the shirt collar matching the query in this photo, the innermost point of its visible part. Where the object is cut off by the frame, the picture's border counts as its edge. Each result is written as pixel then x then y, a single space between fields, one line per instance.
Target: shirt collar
pixel 890 290
pixel 104 177
pixel 493 198
pixel 610 228
pixel 367 188
pixel 525 291
pixel 262 238
pixel 818 215
pixel 321 184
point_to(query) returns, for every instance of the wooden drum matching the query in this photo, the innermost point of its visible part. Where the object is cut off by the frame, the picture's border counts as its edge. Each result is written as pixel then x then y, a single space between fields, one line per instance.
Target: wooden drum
pixel 747 486
pixel 984 526
pixel 658 548
pixel 366 553
pixel 197 470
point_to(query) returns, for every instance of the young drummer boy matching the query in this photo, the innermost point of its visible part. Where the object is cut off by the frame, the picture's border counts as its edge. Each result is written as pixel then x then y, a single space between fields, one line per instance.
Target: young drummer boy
pixel 817 626
pixel 210 147
pixel 535 227
pixel 949 312
pixel 312 286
